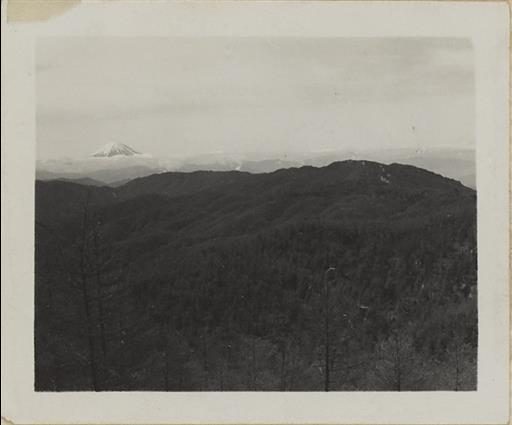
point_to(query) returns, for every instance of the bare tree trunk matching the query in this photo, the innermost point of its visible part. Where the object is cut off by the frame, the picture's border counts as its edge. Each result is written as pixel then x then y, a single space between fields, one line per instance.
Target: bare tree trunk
pixel 122 359
pixel 222 368
pixel 180 379
pixel 99 289
pixel 326 337
pixel 167 348
pixel 102 316
pixel 204 344
pixel 90 334
pixel 398 370
pixel 283 369
pixel 167 330
pixel 53 355
pixel 457 368
pixel 253 368
pixel 87 300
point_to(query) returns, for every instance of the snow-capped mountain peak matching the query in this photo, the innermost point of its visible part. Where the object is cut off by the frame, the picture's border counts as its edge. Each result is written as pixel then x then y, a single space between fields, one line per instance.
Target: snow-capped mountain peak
pixel 115 149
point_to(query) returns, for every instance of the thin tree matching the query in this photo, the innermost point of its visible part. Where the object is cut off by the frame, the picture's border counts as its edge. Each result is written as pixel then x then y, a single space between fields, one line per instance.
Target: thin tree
pixel 329 278
pixel 83 274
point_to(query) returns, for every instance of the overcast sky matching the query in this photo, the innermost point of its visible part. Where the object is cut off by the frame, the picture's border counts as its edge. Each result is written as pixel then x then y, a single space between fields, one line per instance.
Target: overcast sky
pixel 190 96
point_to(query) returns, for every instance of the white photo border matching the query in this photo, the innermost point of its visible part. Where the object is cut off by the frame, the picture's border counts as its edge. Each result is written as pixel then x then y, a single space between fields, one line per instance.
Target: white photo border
pixel 485 23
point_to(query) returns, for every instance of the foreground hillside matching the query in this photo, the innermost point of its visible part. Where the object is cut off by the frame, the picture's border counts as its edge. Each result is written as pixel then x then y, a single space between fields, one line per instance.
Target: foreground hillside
pixel 217 281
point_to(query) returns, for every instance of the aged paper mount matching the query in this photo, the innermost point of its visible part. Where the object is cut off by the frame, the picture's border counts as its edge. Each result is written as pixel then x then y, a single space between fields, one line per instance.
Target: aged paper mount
pixel 486 24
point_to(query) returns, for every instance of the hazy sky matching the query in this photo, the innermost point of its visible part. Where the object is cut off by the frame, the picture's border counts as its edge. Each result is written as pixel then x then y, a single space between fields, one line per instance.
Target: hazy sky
pixel 185 96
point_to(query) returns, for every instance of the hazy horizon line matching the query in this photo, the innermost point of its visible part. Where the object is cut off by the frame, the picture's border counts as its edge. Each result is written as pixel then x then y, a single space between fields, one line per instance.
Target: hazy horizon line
pixel 272 154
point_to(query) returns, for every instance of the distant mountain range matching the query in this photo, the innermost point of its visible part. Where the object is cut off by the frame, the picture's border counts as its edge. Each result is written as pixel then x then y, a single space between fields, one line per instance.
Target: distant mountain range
pixel 115 164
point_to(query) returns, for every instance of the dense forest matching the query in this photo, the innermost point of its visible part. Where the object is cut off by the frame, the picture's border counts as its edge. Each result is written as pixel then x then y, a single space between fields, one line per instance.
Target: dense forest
pixel 357 276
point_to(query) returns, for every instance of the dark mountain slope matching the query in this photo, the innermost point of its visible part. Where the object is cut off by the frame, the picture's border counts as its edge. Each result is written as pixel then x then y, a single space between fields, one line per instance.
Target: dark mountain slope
pixel 221 204
pixel 215 280
pixel 58 201
pixel 204 205
pixel 362 174
pixel 176 184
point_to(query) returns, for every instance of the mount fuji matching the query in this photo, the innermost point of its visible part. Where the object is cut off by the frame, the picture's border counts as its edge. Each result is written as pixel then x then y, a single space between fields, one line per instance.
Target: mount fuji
pixel 111 164
pixel 115 149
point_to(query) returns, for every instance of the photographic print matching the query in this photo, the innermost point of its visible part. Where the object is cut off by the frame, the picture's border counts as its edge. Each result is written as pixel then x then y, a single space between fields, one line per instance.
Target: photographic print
pixel 255 214
pixel 286 212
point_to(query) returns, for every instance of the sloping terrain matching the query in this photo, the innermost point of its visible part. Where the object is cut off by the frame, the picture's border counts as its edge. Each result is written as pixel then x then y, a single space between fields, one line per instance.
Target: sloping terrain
pixel 216 281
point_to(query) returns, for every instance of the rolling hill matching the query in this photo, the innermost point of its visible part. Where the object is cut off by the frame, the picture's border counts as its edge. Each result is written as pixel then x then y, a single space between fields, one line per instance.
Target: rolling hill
pixel 213 280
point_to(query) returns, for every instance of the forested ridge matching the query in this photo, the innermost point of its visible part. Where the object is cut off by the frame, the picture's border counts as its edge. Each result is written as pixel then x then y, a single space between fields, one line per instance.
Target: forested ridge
pixel 354 276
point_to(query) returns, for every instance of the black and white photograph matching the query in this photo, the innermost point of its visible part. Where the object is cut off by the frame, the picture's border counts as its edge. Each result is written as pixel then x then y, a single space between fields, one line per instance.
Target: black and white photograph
pixel 255 215
pixel 219 212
